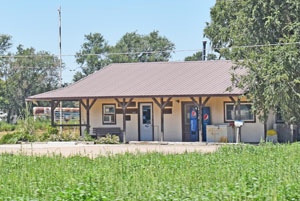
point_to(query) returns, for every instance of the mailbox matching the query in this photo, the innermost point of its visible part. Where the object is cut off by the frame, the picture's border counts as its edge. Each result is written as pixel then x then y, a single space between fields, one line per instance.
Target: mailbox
pixel 238 124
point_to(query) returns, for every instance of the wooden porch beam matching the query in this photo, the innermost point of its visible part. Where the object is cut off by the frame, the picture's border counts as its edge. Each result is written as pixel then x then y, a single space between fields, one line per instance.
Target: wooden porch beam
pixel 130 101
pixel 200 105
pixel 206 100
pixel 88 115
pixel 239 118
pixel 124 106
pixel 232 99
pixel 195 102
pixel 80 127
pixel 93 102
pixel 156 102
pixel 162 105
pixel 52 113
pixel 53 106
pixel 119 102
pixel 84 105
pixel 200 113
pixel 165 103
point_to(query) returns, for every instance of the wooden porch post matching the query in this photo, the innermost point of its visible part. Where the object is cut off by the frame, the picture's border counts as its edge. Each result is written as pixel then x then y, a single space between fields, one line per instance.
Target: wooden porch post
pixel 200 105
pixel 88 116
pixel 52 113
pixel 200 115
pixel 80 131
pixel 88 107
pixel 236 106
pixel 162 106
pixel 53 106
pixel 239 118
pixel 124 106
pixel 162 126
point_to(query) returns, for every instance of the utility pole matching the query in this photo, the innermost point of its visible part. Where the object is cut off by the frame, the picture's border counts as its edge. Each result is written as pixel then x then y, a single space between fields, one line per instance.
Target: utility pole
pixel 60 69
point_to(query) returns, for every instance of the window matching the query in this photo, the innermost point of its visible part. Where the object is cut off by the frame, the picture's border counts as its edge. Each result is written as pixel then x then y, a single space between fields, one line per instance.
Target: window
pixel 109 114
pixel 279 116
pixel 246 113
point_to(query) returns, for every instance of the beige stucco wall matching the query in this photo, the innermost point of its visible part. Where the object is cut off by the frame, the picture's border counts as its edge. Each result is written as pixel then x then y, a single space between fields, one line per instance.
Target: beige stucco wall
pixel 251 132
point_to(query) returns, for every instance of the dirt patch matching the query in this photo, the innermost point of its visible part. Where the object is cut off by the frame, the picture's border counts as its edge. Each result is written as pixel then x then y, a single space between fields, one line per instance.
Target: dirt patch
pixel 69 149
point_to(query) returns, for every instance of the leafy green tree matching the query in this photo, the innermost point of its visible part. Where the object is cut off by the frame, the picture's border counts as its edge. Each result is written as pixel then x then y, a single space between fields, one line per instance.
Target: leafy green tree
pixel 153 47
pixel 34 73
pixel 5 44
pixel 94 44
pixel 198 57
pixel 272 79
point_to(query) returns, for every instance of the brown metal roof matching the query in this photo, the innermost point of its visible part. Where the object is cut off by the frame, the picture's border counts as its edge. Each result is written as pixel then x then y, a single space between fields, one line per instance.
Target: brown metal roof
pixel 153 79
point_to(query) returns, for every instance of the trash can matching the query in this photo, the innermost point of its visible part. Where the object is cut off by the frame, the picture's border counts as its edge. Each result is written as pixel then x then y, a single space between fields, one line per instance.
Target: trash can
pixel 272 136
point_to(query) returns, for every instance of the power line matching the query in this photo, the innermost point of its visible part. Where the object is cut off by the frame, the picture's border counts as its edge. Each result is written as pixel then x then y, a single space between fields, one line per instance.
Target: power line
pixel 151 52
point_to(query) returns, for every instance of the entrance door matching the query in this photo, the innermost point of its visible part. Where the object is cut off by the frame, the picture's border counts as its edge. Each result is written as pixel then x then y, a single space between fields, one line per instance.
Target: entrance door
pixel 186 122
pixel 146 127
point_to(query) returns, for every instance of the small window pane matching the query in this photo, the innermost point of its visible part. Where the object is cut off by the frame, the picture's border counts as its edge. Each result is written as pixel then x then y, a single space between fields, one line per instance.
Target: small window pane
pixel 146 115
pixel 246 113
pixel 109 109
pixel 229 112
pixel 109 115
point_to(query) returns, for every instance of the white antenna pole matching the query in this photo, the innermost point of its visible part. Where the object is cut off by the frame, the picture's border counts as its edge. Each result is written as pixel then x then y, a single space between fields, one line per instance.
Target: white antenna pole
pixel 60 70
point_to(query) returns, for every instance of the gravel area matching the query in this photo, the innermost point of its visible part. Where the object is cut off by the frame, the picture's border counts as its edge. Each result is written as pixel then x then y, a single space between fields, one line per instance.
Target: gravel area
pixel 71 148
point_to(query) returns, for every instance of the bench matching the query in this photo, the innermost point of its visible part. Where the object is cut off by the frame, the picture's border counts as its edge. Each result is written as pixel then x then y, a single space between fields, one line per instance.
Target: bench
pixel 102 132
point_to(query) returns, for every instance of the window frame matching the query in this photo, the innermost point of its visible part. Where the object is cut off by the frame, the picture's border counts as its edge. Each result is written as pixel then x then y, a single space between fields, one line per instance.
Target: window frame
pixel 103 114
pixel 277 115
pixel 242 103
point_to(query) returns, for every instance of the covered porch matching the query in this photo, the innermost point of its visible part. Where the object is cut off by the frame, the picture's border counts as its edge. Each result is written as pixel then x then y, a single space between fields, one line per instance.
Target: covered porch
pixel 159 118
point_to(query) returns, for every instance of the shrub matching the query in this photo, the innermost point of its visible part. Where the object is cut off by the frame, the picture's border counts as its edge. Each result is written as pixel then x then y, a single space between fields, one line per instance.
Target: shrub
pixel 7 127
pixel 52 130
pixel 68 137
pixel 44 137
pixel 55 137
pixel 11 138
pixel 108 139
pixel 41 124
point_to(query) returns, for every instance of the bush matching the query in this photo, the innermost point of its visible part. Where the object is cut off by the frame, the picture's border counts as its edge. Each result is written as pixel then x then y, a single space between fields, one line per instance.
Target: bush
pixel 44 137
pixel 7 127
pixel 41 124
pixel 108 139
pixel 52 130
pixel 12 138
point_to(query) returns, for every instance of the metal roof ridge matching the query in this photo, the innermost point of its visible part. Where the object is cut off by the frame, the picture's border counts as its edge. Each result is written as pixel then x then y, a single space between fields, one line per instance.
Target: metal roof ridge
pixel 170 62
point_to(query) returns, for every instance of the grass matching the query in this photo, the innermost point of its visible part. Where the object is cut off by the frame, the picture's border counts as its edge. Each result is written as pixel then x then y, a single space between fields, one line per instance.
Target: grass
pixel 265 172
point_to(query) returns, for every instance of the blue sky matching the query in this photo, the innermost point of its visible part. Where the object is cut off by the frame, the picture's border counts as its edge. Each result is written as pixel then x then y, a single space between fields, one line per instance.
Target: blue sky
pixel 34 23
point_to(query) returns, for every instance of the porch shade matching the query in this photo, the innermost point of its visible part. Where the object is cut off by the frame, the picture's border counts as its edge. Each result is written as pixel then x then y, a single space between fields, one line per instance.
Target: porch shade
pixel 151 79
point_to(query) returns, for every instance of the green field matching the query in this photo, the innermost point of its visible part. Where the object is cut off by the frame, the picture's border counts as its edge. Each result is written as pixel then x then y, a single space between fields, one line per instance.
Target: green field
pixel 245 172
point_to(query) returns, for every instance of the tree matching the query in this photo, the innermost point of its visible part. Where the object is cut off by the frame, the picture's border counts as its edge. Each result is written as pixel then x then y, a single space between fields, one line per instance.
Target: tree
pixel 272 79
pixel 94 44
pixel 198 57
pixel 5 44
pixel 34 73
pixel 152 48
